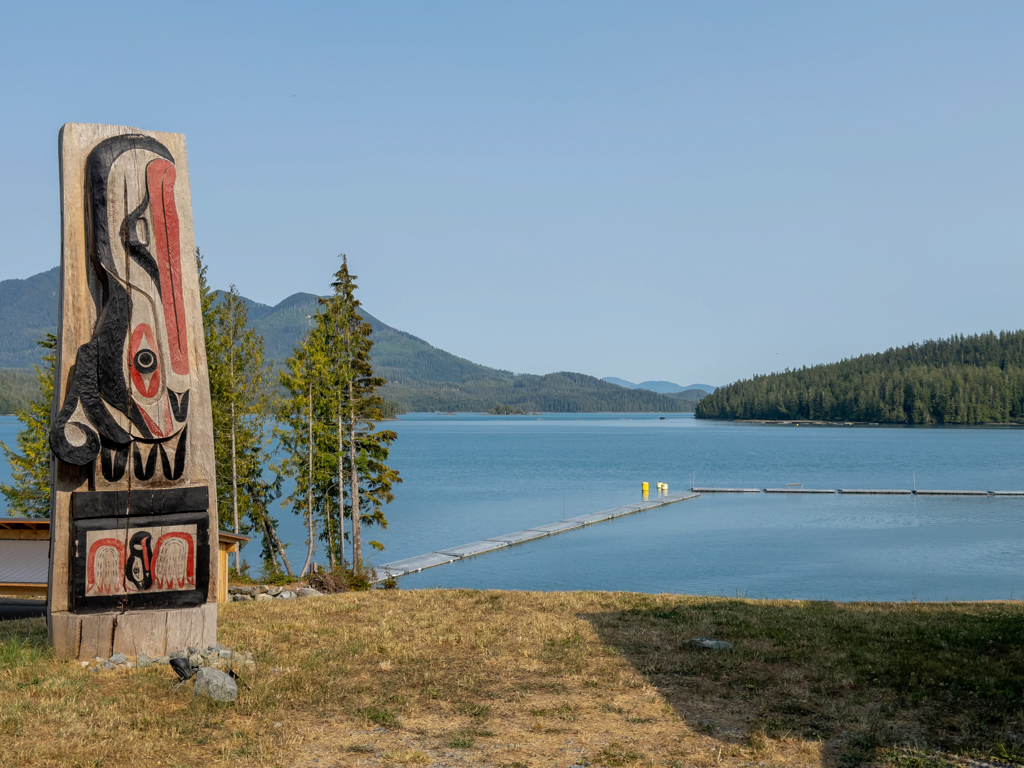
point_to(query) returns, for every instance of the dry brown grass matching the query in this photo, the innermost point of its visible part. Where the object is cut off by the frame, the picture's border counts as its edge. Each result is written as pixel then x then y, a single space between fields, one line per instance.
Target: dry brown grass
pixel 443 677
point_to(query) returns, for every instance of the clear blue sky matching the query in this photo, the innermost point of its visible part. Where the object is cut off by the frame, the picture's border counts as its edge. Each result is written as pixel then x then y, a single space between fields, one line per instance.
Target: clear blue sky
pixel 683 191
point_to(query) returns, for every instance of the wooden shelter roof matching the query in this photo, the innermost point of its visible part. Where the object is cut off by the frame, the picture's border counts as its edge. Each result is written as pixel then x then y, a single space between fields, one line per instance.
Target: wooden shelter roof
pixel 25 523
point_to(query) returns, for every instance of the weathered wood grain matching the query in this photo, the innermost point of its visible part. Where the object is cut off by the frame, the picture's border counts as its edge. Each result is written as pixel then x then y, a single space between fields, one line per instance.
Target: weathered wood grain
pixel 143 632
pixel 193 626
pixel 96 636
pixel 222 583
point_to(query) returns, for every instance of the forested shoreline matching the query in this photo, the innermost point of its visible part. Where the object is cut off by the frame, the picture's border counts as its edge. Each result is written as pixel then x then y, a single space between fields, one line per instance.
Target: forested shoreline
pixel 562 392
pixel 976 379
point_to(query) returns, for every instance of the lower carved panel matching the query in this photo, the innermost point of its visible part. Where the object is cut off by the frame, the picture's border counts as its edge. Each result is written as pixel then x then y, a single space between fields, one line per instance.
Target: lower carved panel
pixel 156 556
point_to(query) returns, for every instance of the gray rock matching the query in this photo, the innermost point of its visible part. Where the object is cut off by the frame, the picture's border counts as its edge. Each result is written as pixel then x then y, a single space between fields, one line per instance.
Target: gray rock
pixel 162 660
pixel 308 592
pixel 274 591
pixel 196 660
pixel 215 684
pixel 263 597
pixel 118 658
pixel 192 650
pixel 262 589
pixel 108 665
pixel 227 653
pixel 177 655
pixel 708 643
pixel 95 668
pixel 286 594
pixel 241 598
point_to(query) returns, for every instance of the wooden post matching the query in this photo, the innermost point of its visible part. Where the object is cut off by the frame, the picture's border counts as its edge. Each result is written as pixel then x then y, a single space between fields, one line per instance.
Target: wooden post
pixel 133 540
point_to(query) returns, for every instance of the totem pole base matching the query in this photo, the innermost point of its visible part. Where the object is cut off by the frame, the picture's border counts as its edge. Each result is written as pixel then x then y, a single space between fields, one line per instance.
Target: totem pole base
pixel 155 633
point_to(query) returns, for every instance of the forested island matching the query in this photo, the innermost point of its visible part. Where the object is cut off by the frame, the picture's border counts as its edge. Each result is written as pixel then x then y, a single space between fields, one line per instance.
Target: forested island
pixel 960 380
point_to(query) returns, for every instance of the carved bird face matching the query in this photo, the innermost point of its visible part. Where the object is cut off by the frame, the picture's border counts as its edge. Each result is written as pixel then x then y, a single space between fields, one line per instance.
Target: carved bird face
pixel 139 569
pixel 142 210
pixel 133 376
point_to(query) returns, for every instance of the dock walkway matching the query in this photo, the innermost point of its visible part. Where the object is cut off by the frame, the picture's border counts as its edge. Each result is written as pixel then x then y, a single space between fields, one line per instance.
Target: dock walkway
pixel 871 491
pixel 450 555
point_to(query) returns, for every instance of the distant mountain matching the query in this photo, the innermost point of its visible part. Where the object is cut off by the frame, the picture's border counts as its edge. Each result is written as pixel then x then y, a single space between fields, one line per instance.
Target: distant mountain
pixel 619 382
pixel 420 377
pixel 664 387
pixel 28 309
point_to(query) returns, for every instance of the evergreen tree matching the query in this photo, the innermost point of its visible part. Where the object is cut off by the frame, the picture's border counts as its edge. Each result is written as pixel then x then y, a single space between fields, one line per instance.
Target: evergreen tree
pixel 364 452
pixel 238 387
pixel 29 493
pixel 295 430
pixel 239 398
pixel 328 439
pixel 327 432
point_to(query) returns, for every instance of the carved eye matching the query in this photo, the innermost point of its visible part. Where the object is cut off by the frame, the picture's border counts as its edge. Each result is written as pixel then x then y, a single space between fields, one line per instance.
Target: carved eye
pixel 145 361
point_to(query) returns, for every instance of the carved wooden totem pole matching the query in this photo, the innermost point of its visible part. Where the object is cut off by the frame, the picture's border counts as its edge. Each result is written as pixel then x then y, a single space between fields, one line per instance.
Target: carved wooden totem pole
pixel 133 543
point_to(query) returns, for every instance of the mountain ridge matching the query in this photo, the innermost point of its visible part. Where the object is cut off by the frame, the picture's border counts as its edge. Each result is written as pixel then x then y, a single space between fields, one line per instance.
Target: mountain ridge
pixel 662 387
pixel 420 376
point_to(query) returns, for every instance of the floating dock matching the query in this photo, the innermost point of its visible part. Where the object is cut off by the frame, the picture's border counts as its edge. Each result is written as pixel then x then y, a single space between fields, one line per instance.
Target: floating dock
pixel 885 491
pixel 799 490
pixel 450 555
pixel 863 491
pixel 726 490
pixel 952 493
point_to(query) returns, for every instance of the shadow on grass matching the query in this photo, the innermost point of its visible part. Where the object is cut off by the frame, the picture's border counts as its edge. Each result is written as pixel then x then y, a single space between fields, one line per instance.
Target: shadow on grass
pixel 867 680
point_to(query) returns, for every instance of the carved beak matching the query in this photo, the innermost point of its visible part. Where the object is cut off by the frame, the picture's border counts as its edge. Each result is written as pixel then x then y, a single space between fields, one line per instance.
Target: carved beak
pixel 160 178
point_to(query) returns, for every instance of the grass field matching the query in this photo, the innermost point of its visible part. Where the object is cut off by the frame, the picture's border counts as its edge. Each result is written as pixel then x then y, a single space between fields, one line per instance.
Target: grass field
pixel 514 679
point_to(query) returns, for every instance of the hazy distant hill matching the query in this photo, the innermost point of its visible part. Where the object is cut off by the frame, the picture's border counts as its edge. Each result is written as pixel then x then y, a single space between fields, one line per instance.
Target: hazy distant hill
pixel 420 377
pixel 28 309
pixel 664 387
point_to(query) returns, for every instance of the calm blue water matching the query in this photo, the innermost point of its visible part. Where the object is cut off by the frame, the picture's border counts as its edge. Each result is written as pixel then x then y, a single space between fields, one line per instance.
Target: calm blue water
pixel 471 477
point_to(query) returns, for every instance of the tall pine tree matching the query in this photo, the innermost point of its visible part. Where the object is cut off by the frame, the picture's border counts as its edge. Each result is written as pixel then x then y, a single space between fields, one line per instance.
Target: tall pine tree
pixel 239 391
pixel 29 493
pixel 326 427
pixel 297 431
pixel 363 450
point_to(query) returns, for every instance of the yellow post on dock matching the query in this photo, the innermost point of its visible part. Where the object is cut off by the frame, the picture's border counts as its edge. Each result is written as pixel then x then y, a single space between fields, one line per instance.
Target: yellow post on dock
pixel 644 488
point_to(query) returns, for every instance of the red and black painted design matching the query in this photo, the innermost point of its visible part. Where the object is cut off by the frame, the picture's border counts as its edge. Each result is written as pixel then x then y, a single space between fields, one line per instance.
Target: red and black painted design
pixel 125 556
pixel 129 396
